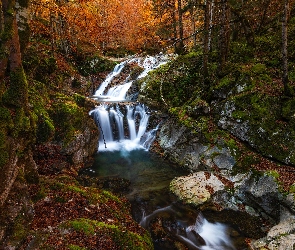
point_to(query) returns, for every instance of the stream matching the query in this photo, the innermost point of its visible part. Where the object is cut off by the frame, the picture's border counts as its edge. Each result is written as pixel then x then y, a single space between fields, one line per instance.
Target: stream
pixel 125 166
pixel 143 177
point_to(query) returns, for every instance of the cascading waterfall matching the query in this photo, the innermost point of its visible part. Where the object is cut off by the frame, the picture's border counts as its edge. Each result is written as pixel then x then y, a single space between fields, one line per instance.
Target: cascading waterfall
pixel 123 127
pixel 112 118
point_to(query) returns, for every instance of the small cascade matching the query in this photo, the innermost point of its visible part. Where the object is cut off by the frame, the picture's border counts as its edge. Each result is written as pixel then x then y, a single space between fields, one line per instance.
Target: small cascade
pixel 117 70
pixel 215 235
pixel 113 117
pixel 203 235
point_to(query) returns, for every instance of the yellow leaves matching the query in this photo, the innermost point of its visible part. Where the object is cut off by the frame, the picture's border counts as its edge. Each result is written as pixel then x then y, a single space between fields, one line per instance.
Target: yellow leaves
pixel 107 24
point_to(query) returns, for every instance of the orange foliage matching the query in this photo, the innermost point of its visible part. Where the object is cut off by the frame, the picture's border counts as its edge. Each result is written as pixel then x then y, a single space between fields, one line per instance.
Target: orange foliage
pixel 103 24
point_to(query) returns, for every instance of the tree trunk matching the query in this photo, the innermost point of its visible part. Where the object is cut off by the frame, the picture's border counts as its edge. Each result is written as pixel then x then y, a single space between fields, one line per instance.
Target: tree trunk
pixel 174 30
pixel 210 23
pixel 224 34
pixel 206 41
pixel 192 14
pixel 180 27
pixel 285 79
pixel 5 40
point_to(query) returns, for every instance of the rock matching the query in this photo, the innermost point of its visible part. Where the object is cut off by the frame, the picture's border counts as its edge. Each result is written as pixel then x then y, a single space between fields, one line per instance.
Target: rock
pixel 196 188
pixel 83 146
pixel 279 237
pixel 261 193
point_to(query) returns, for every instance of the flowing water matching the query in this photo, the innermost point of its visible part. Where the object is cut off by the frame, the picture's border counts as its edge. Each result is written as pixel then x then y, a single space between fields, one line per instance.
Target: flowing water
pixel 123 154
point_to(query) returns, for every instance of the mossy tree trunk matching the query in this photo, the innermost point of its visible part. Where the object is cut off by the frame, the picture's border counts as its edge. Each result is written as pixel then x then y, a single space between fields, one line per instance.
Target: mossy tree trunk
pixel 16 121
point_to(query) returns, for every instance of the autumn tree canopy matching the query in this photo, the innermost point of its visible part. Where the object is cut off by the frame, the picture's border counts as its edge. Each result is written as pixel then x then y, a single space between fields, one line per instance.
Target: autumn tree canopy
pixel 149 25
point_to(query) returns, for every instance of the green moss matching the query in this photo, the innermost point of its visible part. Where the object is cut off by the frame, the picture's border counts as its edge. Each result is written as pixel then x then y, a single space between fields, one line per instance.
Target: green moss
pixel 272 173
pixel 24 35
pixel 17 93
pixel 79 99
pixel 176 82
pixel 110 196
pixel 4 157
pixel 67 116
pixel 75 247
pixel 19 228
pixel 38 98
pixel 83 225
pixel 124 238
pixel 288 109
pixel 292 188
pixel 94 65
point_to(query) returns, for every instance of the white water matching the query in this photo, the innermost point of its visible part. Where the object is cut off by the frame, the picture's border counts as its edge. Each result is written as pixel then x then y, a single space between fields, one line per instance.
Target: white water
pixel 214 235
pixel 113 119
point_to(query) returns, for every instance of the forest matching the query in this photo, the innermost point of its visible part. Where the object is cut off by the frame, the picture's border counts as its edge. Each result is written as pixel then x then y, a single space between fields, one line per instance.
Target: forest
pixel 55 53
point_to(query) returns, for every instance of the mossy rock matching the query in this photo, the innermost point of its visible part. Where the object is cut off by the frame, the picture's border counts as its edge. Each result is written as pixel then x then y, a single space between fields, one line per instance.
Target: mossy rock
pixel 175 82
pixel 266 132
pixel 68 117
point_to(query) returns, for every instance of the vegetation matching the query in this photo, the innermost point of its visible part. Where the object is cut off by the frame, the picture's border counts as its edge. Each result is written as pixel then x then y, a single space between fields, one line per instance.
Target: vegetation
pixel 237 54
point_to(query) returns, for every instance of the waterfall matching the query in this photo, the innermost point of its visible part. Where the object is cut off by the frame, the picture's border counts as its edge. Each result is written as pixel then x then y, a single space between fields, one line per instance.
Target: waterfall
pixel 113 116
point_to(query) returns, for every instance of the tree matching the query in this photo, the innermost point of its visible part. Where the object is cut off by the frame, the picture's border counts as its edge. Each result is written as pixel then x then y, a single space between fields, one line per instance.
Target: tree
pixel 206 40
pixel 287 90
pixel 224 33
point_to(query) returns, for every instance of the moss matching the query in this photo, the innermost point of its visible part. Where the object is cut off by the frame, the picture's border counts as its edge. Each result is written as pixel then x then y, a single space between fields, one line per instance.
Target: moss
pixel 272 173
pixel 288 109
pixel 38 98
pixel 176 80
pixel 17 93
pixel 24 35
pixel 83 225
pixel 79 99
pixel 19 228
pixel 75 247
pixel 110 196
pixel 93 65
pixel 124 238
pixel 67 116
pixel 24 124
pixel 4 157
pixel 292 188
pixel 135 72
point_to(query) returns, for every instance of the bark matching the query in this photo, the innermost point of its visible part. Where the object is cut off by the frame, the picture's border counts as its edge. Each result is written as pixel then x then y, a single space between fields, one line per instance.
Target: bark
pixel 285 79
pixel 211 23
pixel 193 25
pixel 206 41
pixel 224 34
pixel 15 55
pixel 5 37
pixel 180 27
pixel 174 31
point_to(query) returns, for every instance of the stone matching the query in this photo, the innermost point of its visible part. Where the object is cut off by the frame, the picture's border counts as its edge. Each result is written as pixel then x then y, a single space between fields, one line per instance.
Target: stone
pixel 196 188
